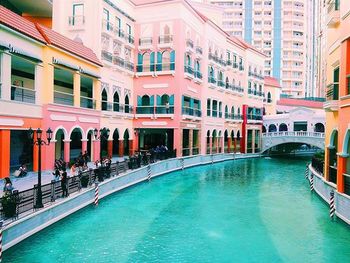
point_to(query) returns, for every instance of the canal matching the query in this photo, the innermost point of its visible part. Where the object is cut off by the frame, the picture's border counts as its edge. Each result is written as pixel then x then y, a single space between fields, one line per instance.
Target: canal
pixel 253 210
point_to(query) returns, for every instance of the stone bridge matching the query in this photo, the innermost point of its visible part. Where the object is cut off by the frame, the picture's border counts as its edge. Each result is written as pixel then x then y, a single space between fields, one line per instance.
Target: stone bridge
pixel 271 139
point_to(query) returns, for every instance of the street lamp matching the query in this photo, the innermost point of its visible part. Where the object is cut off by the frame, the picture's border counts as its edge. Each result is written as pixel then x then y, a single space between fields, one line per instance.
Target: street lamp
pixel 102 133
pixel 39 142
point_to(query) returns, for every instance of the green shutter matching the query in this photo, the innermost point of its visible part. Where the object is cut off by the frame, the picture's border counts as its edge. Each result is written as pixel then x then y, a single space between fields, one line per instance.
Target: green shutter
pixel 159 100
pixel 151 100
pixel 171 100
pixel 191 102
pixel 152 61
pixel 172 60
pixel 139 62
pixel 139 101
pixel 159 61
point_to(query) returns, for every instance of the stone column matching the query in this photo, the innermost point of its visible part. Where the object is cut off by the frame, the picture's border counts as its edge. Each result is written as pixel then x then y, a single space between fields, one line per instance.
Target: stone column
pixel 341 169
pixel 5 76
pixel 84 145
pixel 66 154
pixel 96 150
pixel 190 140
pixel 110 147
pixel 217 140
pixel 121 148
pixel 235 145
pixel 210 144
pixel 131 147
pixel 228 144
pixel 76 89
pixel 5 136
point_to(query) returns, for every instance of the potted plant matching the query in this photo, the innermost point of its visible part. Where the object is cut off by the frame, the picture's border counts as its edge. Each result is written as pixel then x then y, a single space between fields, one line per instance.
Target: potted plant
pixel 8 202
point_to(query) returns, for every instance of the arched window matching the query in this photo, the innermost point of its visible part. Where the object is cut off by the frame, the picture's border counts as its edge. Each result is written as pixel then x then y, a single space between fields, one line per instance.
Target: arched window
pixel 127 106
pixel 269 99
pixel 239 111
pixel 198 66
pixel 104 100
pixel 188 60
pixel 226 112
pixel 227 83
pixel 166 60
pixel 164 99
pixel 232 110
pixel 145 100
pixel 220 109
pixel 146 61
pixel 116 102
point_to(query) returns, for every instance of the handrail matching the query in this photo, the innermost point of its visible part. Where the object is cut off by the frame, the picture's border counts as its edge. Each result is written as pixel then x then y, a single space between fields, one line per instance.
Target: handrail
pixel 294 134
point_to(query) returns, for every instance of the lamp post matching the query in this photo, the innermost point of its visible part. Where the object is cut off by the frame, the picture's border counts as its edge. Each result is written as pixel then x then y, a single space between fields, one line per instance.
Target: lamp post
pixel 39 142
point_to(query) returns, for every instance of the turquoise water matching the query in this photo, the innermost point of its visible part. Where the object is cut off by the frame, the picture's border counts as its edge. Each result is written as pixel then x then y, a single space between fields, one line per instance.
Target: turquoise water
pixel 257 210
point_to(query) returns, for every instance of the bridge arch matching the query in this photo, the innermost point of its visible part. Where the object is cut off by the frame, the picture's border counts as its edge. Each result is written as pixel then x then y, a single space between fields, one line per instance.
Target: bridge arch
pixel 283 127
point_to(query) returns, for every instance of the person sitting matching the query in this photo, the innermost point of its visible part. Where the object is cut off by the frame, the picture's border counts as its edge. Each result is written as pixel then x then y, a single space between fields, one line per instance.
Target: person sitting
pixel 8 188
pixel 56 175
pixel 23 170
pixel 73 170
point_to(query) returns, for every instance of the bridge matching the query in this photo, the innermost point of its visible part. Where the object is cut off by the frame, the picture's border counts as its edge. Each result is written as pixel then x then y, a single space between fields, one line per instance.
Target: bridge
pixel 272 139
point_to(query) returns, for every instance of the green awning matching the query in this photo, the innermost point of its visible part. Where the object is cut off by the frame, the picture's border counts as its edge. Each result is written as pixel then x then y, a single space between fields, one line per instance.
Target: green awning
pixel 90 73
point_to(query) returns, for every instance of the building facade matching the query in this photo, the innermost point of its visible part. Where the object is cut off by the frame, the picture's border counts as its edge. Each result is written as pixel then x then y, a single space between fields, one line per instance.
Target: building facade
pixel 337 161
pixel 284 31
pixel 176 79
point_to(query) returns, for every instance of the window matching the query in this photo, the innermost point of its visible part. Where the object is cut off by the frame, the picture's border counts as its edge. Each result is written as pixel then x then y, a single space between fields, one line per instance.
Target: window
pixel 78 15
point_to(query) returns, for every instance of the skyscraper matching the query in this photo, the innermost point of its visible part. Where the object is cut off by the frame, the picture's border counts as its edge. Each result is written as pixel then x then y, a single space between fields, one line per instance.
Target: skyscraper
pixel 284 30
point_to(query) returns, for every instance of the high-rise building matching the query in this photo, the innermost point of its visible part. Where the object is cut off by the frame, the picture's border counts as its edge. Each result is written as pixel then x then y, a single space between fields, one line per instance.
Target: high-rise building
pixel 283 30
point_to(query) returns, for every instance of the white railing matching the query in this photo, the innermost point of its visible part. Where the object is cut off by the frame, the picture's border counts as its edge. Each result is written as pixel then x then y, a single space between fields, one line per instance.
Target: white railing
pixel 294 134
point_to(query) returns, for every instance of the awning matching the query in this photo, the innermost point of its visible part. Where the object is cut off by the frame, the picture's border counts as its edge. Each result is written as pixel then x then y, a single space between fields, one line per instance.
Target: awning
pixel 90 73
pixel 24 54
pixel 64 64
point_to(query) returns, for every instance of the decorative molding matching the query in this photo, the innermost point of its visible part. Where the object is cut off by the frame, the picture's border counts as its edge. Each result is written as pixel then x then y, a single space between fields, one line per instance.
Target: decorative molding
pixel 152 123
pixel 11 122
pixel 156 86
pixel 192 89
pixel 191 126
pixel 55 117
pixel 88 120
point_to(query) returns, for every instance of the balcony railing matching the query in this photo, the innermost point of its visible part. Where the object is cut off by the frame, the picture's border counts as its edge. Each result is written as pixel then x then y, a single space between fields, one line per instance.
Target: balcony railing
pixel 199 50
pixel 258 76
pixel 189 70
pixel 116 107
pixel 198 75
pixel 158 67
pixel 22 94
pixel 145 110
pixel 74 21
pixel 256 92
pixel 123 63
pixel 189 43
pixel 254 117
pixel 332 91
pixel 212 80
pixel 63 98
pixel 221 83
pixel 86 102
pixel 107 56
pixel 145 41
pixel 159 109
pixel 230 116
pixel 164 109
pixel 191 111
pixel 166 39
pixel 119 32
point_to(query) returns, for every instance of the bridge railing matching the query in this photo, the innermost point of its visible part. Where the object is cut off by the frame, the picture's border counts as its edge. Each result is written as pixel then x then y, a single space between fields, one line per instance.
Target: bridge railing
pixel 294 134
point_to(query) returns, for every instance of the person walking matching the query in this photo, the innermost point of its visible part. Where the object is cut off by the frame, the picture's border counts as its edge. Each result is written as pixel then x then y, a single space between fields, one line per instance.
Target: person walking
pixel 64 181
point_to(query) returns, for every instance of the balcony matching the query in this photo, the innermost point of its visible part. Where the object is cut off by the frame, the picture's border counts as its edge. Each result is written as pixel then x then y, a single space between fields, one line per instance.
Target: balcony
pixel 212 82
pixel 119 35
pixel 191 113
pixel 235 89
pixel 107 27
pixel 130 41
pixel 22 94
pixel 155 69
pixel 333 16
pixel 189 72
pixel 221 83
pixel 189 45
pixel 254 118
pixel 256 93
pixel 199 52
pixel 165 41
pixel 198 77
pixel 106 56
pixel 63 98
pixel 145 43
pixel 116 108
pixel 159 111
pixel 123 64
pixel 76 22
pixel 255 75
pixel 332 97
pixel 233 117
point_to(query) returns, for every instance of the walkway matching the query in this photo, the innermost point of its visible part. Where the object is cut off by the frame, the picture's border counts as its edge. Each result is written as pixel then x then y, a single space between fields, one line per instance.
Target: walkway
pixel 27 182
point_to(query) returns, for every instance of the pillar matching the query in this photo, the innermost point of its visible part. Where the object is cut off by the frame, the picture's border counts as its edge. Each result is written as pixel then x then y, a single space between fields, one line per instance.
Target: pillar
pixel 35 153
pixel 5 76
pixel 234 145
pixel 5 136
pixel 48 151
pixel 217 140
pixel 96 93
pixel 110 148
pixel 76 89
pixel 210 144
pixel 96 150
pixel 229 144
pixel 84 145
pixel 66 153
pixel 190 140
pixel 341 169
pixel 253 141
pixel 131 147
pixel 136 142
pixel 121 148
pixel 38 81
